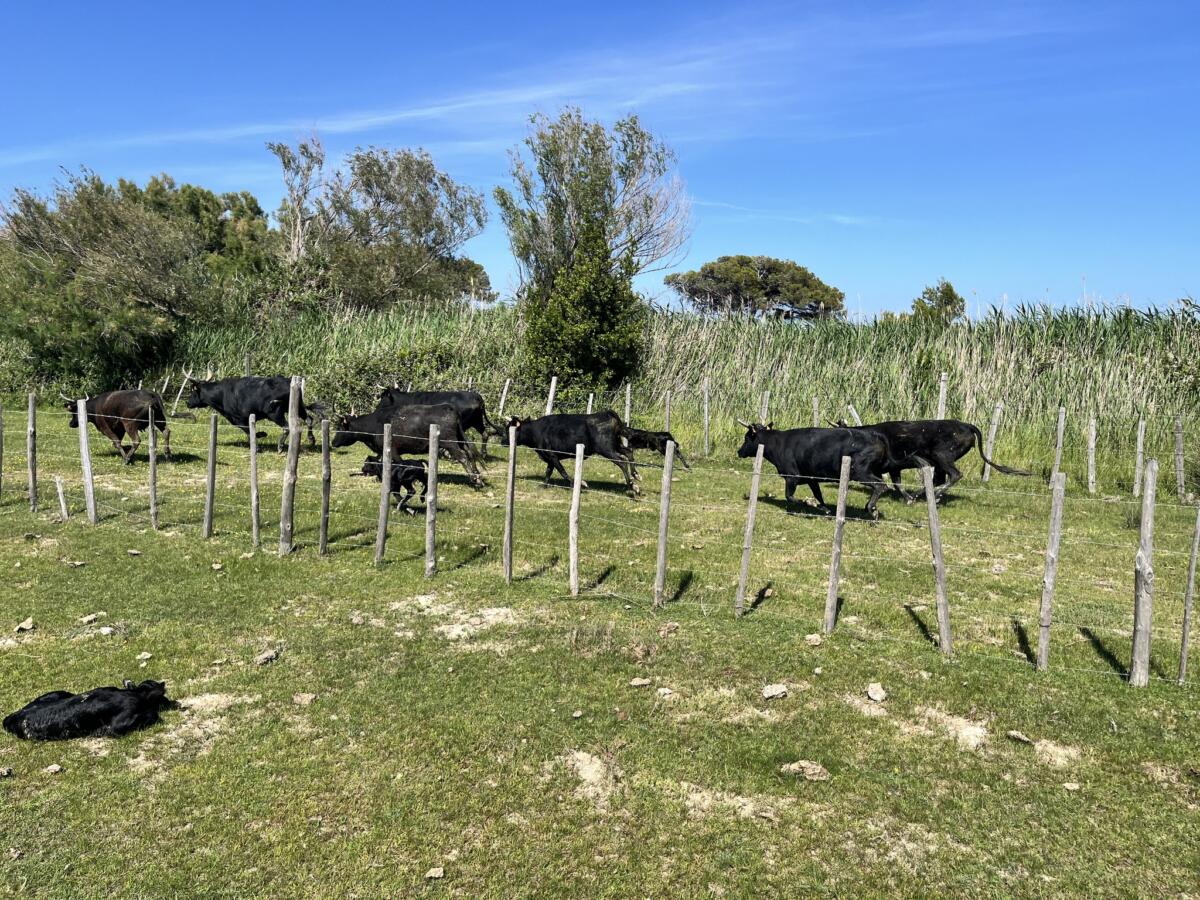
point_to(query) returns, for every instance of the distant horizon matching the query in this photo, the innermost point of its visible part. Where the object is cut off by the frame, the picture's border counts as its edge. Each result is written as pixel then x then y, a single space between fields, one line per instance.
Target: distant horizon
pixel 1031 153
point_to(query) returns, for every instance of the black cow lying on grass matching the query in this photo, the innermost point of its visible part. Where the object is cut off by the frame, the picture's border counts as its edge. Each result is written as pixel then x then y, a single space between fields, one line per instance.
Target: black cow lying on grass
pixel 812 455
pixel 103 712
pixel 639 439
pixel 405 474
pixel 931 442
pixel 554 437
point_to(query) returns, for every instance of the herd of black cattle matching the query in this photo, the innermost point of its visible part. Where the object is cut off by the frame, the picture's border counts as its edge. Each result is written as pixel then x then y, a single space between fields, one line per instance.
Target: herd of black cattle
pixel 800 455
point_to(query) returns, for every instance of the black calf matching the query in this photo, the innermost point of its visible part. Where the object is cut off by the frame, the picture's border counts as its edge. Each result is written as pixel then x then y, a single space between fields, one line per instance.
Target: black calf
pixel 103 712
pixel 405 474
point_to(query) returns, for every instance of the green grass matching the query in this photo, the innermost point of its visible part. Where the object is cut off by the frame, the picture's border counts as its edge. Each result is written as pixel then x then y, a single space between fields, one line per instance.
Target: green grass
pixel 421 750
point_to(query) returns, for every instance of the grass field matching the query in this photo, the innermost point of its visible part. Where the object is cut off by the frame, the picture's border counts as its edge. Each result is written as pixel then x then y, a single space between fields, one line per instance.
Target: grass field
pixel 410 725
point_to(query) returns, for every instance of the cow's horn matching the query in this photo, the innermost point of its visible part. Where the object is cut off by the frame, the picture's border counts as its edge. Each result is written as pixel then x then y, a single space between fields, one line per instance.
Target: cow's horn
pixel 65 397
pixel 743 424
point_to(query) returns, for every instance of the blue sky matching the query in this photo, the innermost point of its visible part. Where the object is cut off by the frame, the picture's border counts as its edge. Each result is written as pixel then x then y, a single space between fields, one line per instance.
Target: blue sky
pixel 1026 151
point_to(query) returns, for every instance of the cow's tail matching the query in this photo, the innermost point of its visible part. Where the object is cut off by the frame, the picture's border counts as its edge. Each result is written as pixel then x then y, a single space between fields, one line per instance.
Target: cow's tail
pixel 1007 470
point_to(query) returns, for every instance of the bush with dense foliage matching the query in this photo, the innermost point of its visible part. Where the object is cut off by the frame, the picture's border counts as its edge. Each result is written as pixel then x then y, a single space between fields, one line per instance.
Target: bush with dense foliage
pixel 757 286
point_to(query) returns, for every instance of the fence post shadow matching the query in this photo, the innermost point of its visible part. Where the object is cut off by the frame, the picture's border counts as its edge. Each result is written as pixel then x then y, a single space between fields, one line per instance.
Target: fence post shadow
pixel 926 634
pixel 1023 644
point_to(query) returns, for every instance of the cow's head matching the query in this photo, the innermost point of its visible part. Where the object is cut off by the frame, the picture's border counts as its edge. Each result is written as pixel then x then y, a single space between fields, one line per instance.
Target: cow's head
pixel 153 692
pixel 754 435
pixel 514 422
pixel 372 467
pixel 343 435
pixel 196 396
pixel 72 407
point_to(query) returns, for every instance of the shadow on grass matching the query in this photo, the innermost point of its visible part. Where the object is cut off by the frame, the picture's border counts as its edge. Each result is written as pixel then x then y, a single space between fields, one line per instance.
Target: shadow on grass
pixel 476 553
pixel 604 575
pixel 685 582
pixel 539 571
pixel 594 486
pixel 926 634
pixel 760 597
pixel 1103 651
pixel 1023 640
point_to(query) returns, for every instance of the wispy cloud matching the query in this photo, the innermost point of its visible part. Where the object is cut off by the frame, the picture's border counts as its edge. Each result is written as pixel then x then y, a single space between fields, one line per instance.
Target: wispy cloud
pixel 823 218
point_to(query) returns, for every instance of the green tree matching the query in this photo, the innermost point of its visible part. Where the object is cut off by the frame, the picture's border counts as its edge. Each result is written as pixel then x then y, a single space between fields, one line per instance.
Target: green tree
pixel 939 303
pixel 590 208
pixel 756 286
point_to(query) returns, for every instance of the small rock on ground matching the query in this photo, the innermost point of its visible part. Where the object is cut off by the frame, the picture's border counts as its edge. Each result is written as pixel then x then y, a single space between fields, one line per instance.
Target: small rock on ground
pixel 303 699
pixel 6 772
pixel 809 770
pixel 436 872
pixel 774 691
pixel 876 692
pixel 1019 737
pixel 640 682
pixel 814 640
pixel 667 628
pixel 27 625
pixel 267 656
pixel 53 769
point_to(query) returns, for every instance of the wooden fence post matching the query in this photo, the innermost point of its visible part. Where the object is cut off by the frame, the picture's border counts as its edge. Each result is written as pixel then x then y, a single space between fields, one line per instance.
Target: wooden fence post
pixel 210 479
pixel 1188 595
pixel 255 517
pixel 1143 582
pixel 326 487
pixel 385 494
pixel 503 397
pixel 854 414
pixel 991 438
pixel 162 393
pixel 816 404
pixel 739 601
pixel 431 497
pixel 1180 482
pixel 664 517
pixel 628 403
pixel 939 564
pixel 667 412
pixel 85 459
pixel 573 522
pixel 510 494
pixel 249 370
pixel 1050 574
pixel 182 384
pixel 763 409
pixel 707 442
pixel 152 443
pixel 1058 441
pixel 1 453
pixel 591 402
pixel 943 383
pixel 1138 456
pixel 63 513
pixel 288 504
pixel 835 562
pixel 550 394
pixel 31 449
pixel 1092 455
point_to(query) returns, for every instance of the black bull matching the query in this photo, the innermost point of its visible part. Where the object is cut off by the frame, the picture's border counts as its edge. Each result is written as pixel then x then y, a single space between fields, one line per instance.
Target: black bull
pixel 468 404
pixel 812 455
pixel 119 413
pixel 555 436
pixel 237 399
pixel 410 433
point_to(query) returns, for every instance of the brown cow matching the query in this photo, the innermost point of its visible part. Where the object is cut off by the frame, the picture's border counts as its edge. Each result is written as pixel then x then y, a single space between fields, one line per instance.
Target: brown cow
pixel 118 413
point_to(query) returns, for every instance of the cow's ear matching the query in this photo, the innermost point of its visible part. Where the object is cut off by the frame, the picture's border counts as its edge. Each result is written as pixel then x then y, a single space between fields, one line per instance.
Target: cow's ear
pixel 770 426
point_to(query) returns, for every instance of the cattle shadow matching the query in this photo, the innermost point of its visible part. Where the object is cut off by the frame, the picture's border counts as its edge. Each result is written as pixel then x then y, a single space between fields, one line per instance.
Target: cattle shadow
pixel 1022 636
pixel 926 634
pixel 474 555
pixel 1104 652
pixel 604 575
pixel 804 511
pixel 760 597
pixel 539 571
pixel 685 582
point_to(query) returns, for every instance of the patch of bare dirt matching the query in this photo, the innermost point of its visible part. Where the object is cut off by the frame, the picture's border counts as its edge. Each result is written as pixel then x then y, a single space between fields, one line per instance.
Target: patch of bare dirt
pixel 1057 756
pixel 868 708
pixel 599 780
pixel 701 802
pixel 968 734
pixel 467 625
pixel 201 720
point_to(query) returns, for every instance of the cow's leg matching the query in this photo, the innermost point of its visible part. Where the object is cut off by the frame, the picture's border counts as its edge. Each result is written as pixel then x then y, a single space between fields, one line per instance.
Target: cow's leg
pixel 135 441
pixel 898 486
pixel 627 469
pixel 166 433
pixel 946 467
pixel 878 488
pixel 467 461
pixel 815 487
pixel 553 463
pixel 789 494
pixel 115 432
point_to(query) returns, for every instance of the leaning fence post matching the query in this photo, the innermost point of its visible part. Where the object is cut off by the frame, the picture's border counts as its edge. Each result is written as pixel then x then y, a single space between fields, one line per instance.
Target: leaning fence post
pixel 939 563
pixel 248 370
pixel 210 479
pixel 816 404
pixel 31 449
pixel 431 496
pixel 739 602
pixel 707 444
pixel 1092 455
pixel 991 439
pixel 942 385
pixel 385 493
pixel 1188 594
pixel 152 444
pixel 288 505
pixel 854 414
pixel 628 403
pixel 573 522
pixel 1180 483
pixel 503 397
pixel 1059 485
pixel 835 562
pixel 667 412
pixel 510 493
pixel 1 452
pixel 63 514
pixel 1143 582
pixel 182 384
pixel 255 517
pixel 664 517
pixel 326 485
pixel 85 459
pixel 1138 456
pixel 550 394
pixel 591 402
pixel 1058 440
pixel 763 408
